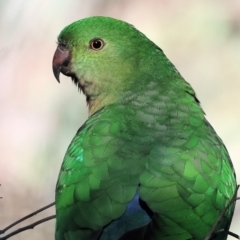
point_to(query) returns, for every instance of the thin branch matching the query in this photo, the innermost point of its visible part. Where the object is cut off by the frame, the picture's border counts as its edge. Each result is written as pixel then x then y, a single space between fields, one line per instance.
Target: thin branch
pixel 233 235
pixel 26 217
pixel 208 237
pixel 31 226
pixel 229 233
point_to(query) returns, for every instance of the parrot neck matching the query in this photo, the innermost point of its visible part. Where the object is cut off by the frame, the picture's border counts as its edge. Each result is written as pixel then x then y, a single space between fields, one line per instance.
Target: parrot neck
pixel 95 104
pixel 98 97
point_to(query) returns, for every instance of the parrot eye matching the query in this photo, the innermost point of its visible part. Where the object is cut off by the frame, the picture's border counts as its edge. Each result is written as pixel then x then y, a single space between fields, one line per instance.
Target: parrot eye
pixel 96 44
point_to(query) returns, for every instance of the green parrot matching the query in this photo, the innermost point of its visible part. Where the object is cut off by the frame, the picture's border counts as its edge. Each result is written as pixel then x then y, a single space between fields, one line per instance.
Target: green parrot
pixel 146 164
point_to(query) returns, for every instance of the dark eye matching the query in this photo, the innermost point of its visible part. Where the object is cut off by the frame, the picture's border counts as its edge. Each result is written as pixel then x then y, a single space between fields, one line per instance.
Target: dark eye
pixel 96 44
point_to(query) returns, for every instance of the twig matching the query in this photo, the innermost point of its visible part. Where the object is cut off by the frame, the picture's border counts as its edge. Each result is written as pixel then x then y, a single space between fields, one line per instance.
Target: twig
pixel 233 235
pixel 31 226
pixel 26 217
pixel 208 237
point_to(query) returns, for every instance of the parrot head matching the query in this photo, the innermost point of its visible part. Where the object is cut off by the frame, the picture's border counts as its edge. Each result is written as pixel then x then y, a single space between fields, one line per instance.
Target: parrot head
pixel 103 56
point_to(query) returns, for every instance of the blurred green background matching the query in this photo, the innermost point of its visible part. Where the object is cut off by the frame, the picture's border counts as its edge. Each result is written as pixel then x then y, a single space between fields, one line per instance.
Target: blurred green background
pixel 39 117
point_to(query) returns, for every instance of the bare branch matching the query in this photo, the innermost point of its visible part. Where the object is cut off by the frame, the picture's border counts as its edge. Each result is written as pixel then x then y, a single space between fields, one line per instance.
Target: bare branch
pixel 26 217
pixel 31 226
pixel 209 236
pixel 233 235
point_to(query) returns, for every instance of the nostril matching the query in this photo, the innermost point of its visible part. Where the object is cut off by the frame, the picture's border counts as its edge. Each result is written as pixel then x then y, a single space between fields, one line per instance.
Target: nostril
pixel 62 47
